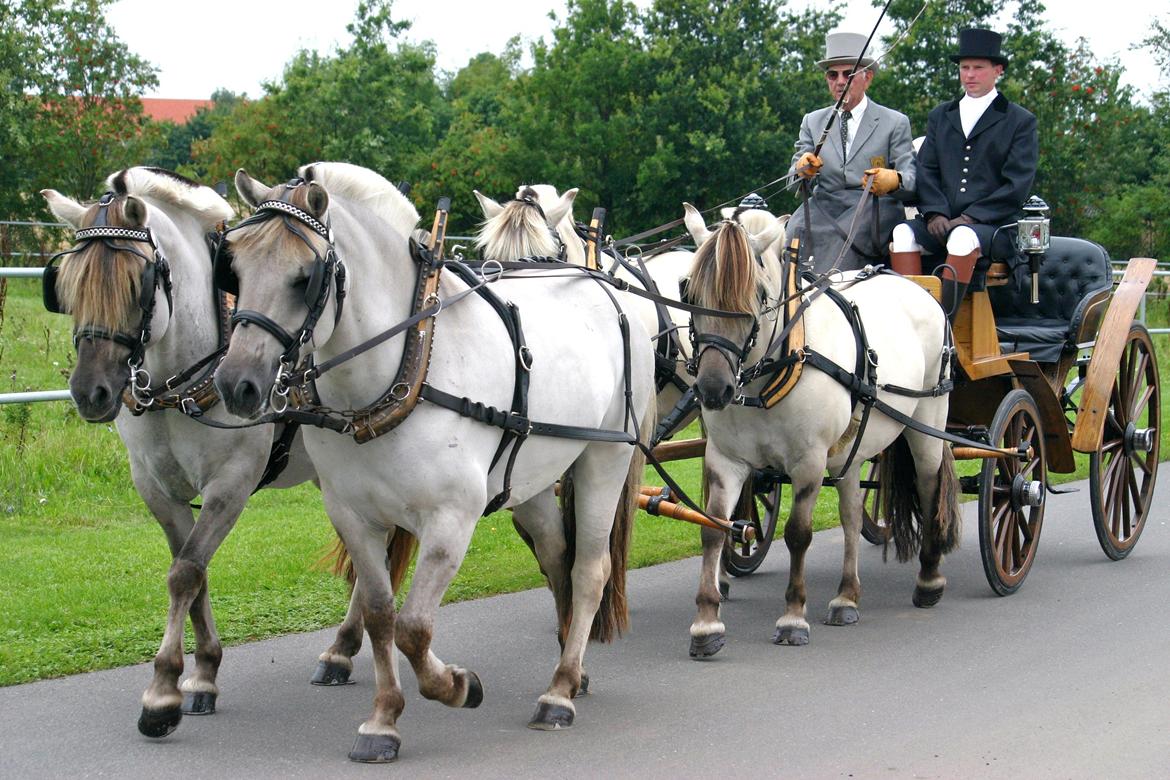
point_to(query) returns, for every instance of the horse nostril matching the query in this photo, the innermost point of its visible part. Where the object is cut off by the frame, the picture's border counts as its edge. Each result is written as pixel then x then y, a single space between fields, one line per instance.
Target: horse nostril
pixel 99 396
pixel 246 396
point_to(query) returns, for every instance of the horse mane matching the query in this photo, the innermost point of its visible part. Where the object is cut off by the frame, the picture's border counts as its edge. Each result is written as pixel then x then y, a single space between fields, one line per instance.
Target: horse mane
pixel 364 186
pixel 723 274
pixel 517 231
pixel 97 285
pixel 169 187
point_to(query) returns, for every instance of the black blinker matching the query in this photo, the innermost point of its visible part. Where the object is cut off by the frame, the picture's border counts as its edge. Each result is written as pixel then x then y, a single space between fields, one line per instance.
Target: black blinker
pixel 315 283
pixel 49 290
pixel 225 277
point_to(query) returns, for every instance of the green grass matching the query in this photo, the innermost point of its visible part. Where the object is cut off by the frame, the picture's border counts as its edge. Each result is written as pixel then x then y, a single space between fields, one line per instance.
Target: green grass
pixel 83 564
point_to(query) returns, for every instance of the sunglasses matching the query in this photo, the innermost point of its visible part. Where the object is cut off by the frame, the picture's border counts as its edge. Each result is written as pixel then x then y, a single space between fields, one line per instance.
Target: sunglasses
pixel 833 75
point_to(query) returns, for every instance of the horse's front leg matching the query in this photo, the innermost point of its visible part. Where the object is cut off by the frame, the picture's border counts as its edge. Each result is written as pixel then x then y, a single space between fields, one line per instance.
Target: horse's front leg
pixel 187 583
pixel 725 479
pixel 792 628
pixel 335 665
pixel 199 690
pixel 843 609
pixel 442 546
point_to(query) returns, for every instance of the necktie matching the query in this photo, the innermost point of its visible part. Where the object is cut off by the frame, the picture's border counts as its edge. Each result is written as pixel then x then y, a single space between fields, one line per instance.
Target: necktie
pixel 845 117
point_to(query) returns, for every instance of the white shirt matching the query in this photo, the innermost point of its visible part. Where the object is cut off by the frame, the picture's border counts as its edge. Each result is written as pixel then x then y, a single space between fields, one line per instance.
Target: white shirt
pixel 971 108
pixel 854 122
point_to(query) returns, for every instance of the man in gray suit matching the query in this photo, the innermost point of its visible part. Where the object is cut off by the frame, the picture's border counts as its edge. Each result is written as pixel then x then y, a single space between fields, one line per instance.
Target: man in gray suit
pixel 866 140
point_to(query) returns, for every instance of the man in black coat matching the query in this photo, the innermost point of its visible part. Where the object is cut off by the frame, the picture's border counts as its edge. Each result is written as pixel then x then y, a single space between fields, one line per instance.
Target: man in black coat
pixel 975 170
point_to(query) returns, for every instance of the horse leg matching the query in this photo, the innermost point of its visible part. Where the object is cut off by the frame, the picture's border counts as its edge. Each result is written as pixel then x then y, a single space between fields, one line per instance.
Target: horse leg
pixel 843 608
pixel 442 547
pixel 186 585
pixel 335 665
pixel 598 571
pixel 724 482
pixel 199 690
pixel 539 520
pixel 792 628
pixel 936 496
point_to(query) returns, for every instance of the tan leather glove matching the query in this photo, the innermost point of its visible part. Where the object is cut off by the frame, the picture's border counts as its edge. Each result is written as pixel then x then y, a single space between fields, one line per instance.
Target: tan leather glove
pixel 808 166
pixel 939 226
pixel 885 180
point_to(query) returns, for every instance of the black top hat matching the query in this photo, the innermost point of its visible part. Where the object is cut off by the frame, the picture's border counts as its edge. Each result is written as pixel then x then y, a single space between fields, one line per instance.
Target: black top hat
pixel 978 44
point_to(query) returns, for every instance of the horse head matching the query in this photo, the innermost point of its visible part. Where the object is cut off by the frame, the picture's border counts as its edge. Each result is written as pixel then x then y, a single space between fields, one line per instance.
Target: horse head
pixel 524 226
pixel 732 271
pixel 281 264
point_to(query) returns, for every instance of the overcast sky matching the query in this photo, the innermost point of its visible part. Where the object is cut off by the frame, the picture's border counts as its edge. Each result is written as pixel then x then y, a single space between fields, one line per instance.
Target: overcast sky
pixel 238 44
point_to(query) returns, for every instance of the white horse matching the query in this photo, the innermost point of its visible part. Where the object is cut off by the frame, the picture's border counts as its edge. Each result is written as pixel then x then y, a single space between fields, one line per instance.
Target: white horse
pixel 108 287
pixel 434 473
pixel 813 427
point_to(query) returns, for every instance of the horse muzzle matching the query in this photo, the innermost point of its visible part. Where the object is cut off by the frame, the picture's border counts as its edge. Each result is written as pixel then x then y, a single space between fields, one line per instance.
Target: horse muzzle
pixel 714 393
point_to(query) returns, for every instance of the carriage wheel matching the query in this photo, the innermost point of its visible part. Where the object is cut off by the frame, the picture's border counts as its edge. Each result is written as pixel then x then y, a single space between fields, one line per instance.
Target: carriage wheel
pixel 874 527
pixel 1011 495
pixel 759 503
pixel 1122 471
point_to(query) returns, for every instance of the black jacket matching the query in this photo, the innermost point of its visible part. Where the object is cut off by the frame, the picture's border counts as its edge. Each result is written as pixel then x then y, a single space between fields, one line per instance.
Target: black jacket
pixel 987 176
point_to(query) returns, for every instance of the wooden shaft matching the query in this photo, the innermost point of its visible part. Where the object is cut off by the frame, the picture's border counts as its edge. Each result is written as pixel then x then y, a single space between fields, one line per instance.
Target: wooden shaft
pixel 680 512
pixel 981 453
pixel 680 450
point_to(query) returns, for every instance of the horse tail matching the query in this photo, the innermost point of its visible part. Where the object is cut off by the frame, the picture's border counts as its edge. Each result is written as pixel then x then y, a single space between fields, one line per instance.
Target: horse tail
pixel 948 518
pixel 613 615
pixel 900 504
pixel 399 552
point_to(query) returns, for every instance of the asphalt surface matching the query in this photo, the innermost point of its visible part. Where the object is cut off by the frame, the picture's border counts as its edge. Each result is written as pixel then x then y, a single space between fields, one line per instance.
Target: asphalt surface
pixel 1068 678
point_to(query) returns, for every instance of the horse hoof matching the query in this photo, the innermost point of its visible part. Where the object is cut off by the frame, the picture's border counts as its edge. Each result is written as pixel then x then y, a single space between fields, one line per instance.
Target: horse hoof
pixel 159 723
pixel 724 591
pixel 551 717
pixel 330 674
pixel 474 691
pixel 375 748
pixel 790 635
pixel 927 597
pixel 201 703
pixel 844 615
pixel 583 688
pixel 707 646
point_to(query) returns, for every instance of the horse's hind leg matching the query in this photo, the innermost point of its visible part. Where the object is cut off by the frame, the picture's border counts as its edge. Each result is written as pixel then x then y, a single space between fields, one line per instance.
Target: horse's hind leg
pixel 540 521
pixel 596 490
pixel 937 495
pixel 843 609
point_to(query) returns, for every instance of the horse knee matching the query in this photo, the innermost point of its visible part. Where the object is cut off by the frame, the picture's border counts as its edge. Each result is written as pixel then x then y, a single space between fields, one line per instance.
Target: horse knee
pixel 185 577
pixel 413 636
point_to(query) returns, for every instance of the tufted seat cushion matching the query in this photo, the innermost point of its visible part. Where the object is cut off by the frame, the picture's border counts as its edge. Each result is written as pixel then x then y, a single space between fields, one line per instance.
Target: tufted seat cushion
pixel 1074 271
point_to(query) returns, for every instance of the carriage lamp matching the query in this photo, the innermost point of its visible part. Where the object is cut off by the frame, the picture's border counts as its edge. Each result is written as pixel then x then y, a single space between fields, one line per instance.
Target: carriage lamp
pixel 1032 238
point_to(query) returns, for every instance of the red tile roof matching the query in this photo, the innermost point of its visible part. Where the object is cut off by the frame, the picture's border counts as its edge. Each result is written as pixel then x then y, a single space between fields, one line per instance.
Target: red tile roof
pixel 172 109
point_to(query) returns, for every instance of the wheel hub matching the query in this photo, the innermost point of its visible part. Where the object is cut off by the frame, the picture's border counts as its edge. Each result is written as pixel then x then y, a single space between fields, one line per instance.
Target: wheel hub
pixel 1139 439
pixel 1026 492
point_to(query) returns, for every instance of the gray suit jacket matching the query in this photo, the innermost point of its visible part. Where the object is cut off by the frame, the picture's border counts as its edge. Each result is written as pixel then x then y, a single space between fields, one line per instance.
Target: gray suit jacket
pixel 882 141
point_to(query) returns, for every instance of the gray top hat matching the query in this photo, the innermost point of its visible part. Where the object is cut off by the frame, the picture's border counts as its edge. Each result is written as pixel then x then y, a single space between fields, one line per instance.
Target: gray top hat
pixel 842 48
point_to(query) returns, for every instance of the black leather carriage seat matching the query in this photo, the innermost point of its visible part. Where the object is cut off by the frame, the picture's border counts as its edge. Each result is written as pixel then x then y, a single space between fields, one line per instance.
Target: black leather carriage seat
pixel 1075 282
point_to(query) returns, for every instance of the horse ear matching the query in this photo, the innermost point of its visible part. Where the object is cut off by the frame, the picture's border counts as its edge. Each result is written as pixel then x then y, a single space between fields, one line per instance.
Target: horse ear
pixel 695 224
pixel 250 190
pixel 489 206
pixel 134 211
pixel 64 208
pixel 318 200
pixel 770 235
pixel 562 208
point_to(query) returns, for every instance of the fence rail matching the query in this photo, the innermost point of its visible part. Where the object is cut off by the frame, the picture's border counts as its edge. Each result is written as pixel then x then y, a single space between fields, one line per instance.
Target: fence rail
pixel 1163 270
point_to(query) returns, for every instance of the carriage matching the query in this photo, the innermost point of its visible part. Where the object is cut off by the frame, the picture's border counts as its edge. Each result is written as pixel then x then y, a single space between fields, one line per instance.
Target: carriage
pixel 1050 363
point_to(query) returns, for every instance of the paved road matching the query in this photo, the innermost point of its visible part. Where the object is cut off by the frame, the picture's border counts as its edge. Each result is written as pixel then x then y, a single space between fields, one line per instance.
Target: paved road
pixel 1068 678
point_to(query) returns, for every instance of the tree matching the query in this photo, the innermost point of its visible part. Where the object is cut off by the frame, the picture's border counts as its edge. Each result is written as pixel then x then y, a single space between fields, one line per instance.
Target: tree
pixel 174 151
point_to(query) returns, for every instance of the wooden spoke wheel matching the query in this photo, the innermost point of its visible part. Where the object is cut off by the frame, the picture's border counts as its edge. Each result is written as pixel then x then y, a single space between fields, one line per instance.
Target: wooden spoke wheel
pixel 760 504
pixel 1122 471
pixel 874 527
pixel 1012 493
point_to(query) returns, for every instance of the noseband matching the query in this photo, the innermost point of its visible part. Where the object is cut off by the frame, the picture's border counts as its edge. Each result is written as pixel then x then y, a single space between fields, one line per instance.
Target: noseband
pixel 327 271
pixel 156 274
